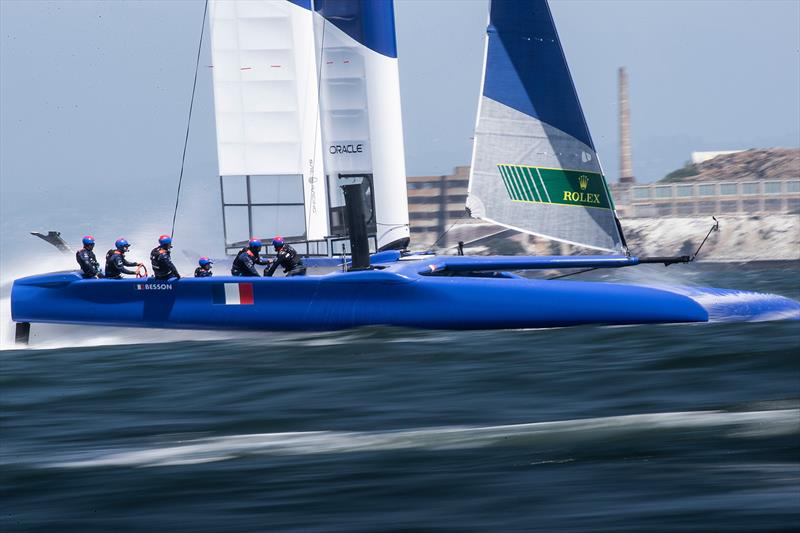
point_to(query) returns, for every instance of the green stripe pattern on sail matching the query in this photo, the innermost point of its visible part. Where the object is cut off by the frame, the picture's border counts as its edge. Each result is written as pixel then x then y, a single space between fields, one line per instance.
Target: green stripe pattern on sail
pixel 555 186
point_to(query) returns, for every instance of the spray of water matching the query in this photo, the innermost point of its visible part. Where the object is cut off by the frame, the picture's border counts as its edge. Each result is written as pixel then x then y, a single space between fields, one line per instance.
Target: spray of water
pixel 48 259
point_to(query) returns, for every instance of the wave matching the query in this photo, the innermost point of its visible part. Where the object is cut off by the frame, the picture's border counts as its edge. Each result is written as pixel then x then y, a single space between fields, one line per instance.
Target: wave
pixel 562 433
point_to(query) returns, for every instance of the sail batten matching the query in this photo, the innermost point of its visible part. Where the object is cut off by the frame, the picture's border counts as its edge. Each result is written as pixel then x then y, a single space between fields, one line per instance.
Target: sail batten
pixel 534 166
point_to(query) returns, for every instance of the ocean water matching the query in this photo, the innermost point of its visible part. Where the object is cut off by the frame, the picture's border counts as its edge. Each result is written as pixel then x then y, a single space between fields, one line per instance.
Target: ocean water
pixel 673 427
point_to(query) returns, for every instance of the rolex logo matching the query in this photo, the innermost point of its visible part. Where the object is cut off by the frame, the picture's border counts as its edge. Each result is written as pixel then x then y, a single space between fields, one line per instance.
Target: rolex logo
pixel 583 181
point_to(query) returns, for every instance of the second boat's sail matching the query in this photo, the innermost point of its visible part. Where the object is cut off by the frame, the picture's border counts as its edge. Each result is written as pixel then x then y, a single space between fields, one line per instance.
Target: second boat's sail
pixel 534 166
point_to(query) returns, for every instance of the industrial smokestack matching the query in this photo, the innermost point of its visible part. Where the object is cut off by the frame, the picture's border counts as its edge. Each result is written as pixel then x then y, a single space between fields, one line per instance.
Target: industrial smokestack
pixel 625 161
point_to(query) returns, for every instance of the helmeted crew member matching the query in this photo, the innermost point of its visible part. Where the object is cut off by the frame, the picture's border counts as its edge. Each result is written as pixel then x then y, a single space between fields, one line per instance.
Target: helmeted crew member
pixel 288 258
pixel 87 260
pixel 116 262
pixel 247 259
pixel 204 270
pixel 161 259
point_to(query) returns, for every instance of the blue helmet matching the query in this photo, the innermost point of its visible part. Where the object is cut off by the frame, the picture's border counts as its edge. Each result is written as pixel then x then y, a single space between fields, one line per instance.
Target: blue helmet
pixel 204 261
pixel 122 245
pixel 88 240
pixel 255 244
pixel 277 242
pixel 165 240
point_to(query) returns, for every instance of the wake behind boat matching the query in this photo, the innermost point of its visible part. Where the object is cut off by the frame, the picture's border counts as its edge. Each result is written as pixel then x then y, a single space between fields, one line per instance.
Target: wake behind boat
pixel 310 145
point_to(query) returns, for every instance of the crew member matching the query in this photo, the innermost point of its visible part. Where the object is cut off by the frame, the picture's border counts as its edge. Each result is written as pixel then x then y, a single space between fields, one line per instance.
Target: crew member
pixel 247 259
pixel 86 259
pixel 287 258
pixel 204 270
pixel 116 262
pixel 161 259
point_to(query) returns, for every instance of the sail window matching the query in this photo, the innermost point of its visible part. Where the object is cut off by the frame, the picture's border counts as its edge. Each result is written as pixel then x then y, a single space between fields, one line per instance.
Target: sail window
pixel 338 215
pixel 235 189
pixel 236 223
pixel 262 205
pixel 276 189
pixel 285 220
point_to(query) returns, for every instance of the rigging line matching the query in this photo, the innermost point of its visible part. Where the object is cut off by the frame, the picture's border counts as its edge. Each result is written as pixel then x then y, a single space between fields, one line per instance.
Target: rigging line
pixel 714 228
pixel 448 229
pixel 189 121
pixel 574 273
pixel 487 236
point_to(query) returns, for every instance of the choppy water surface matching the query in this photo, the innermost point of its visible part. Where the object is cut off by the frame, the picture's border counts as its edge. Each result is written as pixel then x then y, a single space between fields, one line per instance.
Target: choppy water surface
pixel 591 428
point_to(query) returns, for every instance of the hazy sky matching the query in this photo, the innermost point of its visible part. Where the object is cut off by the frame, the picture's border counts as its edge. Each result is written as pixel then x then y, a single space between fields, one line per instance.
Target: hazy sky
pixel 704 75
pixel 94 96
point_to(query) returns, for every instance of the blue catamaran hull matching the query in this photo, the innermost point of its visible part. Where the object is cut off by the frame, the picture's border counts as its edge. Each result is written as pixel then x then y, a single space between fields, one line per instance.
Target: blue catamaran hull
pixel 433 294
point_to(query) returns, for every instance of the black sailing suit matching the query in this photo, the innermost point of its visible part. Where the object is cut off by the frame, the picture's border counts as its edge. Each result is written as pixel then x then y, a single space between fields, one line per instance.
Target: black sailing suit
pixel 201 272
pixel 161 260
pixel 288 258
pixel 116 263
pixel 245 263
pixel 88 262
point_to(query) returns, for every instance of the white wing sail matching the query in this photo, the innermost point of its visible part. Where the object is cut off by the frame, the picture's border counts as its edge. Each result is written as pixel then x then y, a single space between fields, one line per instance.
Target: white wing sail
pixel 266 110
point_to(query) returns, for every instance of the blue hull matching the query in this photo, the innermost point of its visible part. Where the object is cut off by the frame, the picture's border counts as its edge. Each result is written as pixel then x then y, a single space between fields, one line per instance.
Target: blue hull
pixel 401 294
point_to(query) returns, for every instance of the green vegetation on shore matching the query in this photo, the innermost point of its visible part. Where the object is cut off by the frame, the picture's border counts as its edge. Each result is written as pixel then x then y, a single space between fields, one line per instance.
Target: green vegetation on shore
pixel 688 170
pixel 748 165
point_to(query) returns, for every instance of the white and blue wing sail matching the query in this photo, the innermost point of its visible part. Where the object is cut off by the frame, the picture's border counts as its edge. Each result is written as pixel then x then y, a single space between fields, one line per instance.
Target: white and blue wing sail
pixel 266 110
pixel 362 132
pixel 534 166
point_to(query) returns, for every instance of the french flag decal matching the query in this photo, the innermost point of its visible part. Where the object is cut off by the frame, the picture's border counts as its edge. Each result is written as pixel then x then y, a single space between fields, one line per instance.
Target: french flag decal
pixel 233 293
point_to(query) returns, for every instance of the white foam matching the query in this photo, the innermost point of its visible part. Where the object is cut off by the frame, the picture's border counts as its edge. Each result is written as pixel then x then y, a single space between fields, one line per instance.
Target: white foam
pixel 581 431
pixel 728 305
pixel 734 297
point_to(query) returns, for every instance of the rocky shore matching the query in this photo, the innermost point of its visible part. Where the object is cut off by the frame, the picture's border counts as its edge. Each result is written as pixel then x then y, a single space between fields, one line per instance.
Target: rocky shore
pixel 749 165
pixel 740 238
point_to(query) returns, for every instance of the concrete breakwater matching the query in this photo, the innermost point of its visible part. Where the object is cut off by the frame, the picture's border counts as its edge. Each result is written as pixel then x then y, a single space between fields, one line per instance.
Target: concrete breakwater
pixel 740 238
